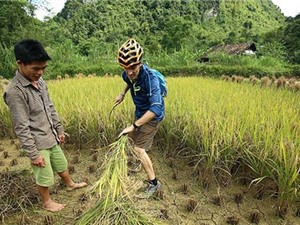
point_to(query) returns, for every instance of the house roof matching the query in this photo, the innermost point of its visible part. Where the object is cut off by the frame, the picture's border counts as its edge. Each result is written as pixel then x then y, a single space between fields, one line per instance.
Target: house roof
pixel 233 49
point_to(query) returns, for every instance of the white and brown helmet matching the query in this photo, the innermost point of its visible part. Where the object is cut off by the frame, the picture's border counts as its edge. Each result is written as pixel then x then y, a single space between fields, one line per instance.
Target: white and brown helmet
pixel 130 53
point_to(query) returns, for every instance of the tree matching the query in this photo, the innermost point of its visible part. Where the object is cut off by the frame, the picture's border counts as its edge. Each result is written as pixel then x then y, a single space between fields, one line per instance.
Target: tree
pixel 13 21
pixel 292 39
pixel 177 30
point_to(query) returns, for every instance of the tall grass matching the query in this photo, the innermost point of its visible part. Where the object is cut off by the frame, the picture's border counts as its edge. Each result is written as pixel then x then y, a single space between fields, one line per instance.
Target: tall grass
pixel 252 60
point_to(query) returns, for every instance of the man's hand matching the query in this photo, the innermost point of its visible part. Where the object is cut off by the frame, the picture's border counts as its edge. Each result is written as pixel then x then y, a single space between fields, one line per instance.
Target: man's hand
pixel 39 162
pixel 119 99
pixel 127 130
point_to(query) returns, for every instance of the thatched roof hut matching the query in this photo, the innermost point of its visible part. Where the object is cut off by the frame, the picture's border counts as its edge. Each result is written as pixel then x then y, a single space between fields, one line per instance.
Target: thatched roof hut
pixel 232 49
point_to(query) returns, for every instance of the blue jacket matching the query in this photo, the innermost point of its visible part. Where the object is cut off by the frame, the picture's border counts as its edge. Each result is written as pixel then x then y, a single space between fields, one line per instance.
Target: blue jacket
pixel 145 93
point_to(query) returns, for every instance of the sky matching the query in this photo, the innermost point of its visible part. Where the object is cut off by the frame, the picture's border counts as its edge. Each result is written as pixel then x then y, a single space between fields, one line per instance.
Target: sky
pixel 288 7
pixel 55 5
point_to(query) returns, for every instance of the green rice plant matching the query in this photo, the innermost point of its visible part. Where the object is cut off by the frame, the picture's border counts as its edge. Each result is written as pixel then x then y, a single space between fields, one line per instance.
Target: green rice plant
pixel 220 122
pixel 283 169
pixel 260 166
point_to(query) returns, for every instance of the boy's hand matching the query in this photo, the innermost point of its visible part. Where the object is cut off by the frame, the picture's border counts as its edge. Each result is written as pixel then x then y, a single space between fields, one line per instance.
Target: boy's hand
pixel 39 162
pixel 61 138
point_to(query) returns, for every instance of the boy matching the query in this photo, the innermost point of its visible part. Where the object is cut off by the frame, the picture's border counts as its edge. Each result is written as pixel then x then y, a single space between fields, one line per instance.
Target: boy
pixel 36 122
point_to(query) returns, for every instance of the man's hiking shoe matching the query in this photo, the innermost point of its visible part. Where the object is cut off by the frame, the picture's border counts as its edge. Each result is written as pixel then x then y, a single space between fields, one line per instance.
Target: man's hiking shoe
pixel 151 189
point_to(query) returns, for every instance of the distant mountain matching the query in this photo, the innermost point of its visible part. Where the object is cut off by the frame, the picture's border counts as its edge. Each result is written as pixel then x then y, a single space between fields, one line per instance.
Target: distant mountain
pixel 170 24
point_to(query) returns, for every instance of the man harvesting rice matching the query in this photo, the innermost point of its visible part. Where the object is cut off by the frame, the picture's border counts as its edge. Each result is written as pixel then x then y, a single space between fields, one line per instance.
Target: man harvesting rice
pixel 147 95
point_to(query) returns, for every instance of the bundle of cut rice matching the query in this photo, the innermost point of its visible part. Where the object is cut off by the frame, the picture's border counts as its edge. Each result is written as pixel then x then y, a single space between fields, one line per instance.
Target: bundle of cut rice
pixel 114 189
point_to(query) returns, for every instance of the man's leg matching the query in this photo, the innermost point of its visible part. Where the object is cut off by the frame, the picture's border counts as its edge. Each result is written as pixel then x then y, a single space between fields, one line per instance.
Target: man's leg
pixel 143 139
pixel 146 162
pixel 44 179
pixel 48 203
pixel 60 165
pixel 65 176
pixel 154 184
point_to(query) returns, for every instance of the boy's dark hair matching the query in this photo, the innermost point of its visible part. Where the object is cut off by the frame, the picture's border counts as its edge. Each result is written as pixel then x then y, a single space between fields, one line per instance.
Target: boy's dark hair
pixel 29 50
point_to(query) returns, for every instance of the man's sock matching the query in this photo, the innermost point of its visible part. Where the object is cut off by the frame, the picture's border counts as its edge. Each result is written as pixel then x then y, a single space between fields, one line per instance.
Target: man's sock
pixel 154 181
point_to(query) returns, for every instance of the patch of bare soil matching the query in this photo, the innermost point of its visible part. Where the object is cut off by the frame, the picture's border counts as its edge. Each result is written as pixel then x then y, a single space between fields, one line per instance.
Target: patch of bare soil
pixel 187 195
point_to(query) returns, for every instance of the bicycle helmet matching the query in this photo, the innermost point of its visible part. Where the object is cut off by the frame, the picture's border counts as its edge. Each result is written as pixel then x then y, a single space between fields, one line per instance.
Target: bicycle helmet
pixel 130 53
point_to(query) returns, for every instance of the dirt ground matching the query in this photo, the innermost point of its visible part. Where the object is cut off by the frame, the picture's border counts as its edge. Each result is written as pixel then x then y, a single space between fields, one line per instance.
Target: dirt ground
pixel 183 198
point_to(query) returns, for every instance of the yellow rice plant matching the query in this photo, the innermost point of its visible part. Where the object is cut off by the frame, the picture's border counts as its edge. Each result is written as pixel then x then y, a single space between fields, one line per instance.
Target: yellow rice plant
pixel 222 121
pixel 84 105
pixel 213 120
pixel 114 181
pixel 286 169
pixel 6 126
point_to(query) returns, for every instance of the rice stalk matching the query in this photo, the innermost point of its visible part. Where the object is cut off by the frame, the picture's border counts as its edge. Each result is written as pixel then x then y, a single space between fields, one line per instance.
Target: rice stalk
pixel 119 212
pixel 114 180
pixel 286 168
pixel 115 205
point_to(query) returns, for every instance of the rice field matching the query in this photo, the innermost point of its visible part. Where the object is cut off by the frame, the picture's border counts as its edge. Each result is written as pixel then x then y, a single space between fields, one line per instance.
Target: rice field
pixel 226 130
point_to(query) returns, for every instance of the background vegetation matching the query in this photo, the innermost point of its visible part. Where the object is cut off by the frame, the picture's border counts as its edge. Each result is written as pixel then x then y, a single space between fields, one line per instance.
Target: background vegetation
pixel 85 35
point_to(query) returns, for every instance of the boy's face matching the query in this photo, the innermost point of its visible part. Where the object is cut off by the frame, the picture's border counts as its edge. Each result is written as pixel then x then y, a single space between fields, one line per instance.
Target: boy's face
pixel 133 71
pixel 32 71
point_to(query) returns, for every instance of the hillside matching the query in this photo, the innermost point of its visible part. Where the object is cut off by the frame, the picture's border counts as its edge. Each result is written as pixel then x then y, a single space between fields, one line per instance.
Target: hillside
pixel 85 35
pixel 169 24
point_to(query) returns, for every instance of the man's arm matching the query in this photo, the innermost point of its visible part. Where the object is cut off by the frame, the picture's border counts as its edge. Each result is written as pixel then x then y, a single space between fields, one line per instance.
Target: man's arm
pixel 147 117
pixel 127 87
pixel 55 118
pixel 155 108
pixel 155 99
pixel 20 117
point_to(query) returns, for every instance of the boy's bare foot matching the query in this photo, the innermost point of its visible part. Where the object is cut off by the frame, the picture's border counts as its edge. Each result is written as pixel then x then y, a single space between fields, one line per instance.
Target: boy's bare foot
pixel 76 186
pixel 53 206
